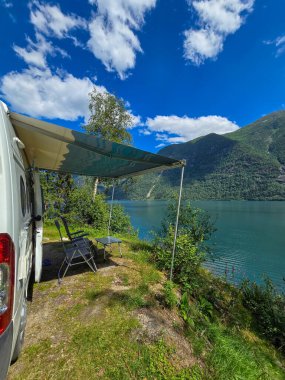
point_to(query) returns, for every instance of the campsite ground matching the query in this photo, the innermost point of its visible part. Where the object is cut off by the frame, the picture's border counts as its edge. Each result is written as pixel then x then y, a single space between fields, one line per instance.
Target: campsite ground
pixel 105 326
pixel 114 325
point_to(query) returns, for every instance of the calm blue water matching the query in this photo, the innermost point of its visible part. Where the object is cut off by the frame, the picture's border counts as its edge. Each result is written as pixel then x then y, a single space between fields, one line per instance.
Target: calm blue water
pixel 249 241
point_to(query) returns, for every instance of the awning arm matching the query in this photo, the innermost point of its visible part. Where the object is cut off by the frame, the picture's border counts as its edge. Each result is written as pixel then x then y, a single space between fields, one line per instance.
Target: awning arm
pixel 111 208
pixel 177 219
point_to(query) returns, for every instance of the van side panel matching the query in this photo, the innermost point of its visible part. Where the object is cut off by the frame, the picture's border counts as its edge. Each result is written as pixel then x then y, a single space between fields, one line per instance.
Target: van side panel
pixel 5 343
pixel 16 220
pixel 23 226
pixel 6 226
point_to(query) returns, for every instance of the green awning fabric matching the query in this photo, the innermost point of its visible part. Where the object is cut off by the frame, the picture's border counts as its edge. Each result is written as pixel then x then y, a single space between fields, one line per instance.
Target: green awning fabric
pixel 49 146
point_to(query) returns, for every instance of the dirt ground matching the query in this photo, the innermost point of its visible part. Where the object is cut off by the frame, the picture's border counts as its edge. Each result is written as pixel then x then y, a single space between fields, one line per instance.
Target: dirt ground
pixel 154 322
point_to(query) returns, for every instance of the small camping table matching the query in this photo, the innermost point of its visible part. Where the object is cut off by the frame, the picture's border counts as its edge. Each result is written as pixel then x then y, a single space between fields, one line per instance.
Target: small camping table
pixel 109 240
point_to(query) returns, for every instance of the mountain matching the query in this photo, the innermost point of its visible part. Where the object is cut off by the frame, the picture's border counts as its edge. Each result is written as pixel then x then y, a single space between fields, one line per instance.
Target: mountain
pixel 246 164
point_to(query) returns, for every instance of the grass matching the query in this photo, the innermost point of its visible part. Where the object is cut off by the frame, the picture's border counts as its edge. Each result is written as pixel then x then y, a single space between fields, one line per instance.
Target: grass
pixel 114 325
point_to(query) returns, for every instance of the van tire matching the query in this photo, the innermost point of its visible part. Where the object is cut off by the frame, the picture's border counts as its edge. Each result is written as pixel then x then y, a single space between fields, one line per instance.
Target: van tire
pixel 21 334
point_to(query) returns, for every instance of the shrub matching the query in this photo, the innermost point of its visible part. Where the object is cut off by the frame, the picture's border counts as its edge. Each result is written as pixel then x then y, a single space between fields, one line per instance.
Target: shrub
pixel 85 210
pixel 120 221
pixel 194 228
pixel 268 308
pixel 188 256
pixel 170 296
pixel 194 222
pixel 73 198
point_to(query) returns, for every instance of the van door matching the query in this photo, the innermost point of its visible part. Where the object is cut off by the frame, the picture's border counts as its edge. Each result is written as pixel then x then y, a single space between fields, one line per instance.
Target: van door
pixel 38 213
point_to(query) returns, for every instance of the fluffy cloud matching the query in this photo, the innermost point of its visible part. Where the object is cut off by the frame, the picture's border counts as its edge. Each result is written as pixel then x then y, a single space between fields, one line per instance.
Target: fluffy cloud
pixel 39 93
pixel 51 21
pixel 36 52
pixel 136 119
pixel 113 40
pixel 217 19
pixel 174 129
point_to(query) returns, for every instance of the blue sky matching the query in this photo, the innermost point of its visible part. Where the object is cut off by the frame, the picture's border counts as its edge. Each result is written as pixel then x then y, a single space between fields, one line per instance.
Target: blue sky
pixel 185 68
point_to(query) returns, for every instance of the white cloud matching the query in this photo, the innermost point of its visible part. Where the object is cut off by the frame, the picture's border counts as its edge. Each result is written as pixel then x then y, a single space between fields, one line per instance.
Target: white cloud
pixel 217 19
pixel 160 145
pixel 136 120
pixel 36 52
pixel 279 43
pixel 174 129
pixel 51 21
pixel 39 93
pixel 113 40
pixel 6 3
pixel 144 132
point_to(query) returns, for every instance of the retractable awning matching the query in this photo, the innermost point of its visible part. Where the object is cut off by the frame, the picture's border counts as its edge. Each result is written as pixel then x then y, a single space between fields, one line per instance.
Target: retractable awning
pixel 49 146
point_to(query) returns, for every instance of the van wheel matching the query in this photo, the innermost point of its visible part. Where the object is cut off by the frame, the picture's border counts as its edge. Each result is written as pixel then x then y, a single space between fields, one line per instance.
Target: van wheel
pixel 21 334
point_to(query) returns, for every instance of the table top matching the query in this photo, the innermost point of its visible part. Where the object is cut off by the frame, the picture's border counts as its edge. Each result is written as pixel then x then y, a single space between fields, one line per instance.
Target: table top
pixel 108 240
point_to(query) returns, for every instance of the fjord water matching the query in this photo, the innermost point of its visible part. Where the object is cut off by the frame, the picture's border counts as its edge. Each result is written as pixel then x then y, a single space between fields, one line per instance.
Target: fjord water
pixel 249 241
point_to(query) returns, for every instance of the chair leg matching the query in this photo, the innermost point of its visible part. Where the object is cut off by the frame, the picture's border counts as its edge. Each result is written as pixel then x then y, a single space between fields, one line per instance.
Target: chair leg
pixel 58 274
pixel 104 252
pixel 88 263
pixel 94 264
pixel 120 248
pixel 66 269
pixel 68 264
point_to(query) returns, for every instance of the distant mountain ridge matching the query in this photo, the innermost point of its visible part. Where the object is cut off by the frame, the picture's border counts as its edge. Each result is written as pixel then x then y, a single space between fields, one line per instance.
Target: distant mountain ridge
pixel 246 164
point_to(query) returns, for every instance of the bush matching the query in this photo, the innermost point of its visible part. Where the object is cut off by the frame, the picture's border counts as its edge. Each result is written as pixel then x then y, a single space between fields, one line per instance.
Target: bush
pixel 120 221
pixel 73 198
pixel 194 222
pixel 194 228
pixel 56 192
pixel 85 210
pixel 268 308
pixel 170 297
pixel 187 260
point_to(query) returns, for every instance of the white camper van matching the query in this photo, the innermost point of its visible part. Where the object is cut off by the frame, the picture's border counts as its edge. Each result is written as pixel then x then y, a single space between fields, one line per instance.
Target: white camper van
pixel 20 238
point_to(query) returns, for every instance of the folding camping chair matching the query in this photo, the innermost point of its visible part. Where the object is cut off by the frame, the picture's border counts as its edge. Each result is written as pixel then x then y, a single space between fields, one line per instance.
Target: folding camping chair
pixel 78 236
pixel 76 252
pixel 72 236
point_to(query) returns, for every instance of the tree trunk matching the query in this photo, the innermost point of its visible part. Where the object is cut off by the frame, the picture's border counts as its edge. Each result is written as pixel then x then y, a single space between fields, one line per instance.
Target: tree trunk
pixel 95 187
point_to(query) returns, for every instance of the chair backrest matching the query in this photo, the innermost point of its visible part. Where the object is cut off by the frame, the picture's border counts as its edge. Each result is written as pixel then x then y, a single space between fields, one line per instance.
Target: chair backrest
pixel 64 221
pixel 56 222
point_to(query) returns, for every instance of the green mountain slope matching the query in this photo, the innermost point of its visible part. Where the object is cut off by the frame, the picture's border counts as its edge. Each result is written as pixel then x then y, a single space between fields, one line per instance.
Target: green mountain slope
pixel 245 164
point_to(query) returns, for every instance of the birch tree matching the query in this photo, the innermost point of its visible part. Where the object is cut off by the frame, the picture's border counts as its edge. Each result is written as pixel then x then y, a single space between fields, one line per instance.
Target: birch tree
pixel 109 119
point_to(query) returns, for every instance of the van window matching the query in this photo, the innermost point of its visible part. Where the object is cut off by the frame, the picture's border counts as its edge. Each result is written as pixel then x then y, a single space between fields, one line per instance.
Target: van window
pixel 23 196
pixel 28 194
pixel 28 201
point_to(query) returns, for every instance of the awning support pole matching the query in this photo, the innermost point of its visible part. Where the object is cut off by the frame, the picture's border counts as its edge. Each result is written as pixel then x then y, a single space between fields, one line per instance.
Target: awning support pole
pixel 111 208
pixel 177 221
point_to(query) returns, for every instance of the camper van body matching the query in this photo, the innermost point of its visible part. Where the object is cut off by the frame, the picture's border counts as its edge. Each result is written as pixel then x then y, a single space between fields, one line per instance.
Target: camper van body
pixel 18 238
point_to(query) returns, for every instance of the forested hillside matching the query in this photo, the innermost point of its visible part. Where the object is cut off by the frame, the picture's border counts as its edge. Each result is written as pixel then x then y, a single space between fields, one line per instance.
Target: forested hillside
pixel 245 164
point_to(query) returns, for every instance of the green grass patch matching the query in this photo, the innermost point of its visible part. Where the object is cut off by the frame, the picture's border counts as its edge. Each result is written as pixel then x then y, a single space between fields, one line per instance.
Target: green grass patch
pixel 93 331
